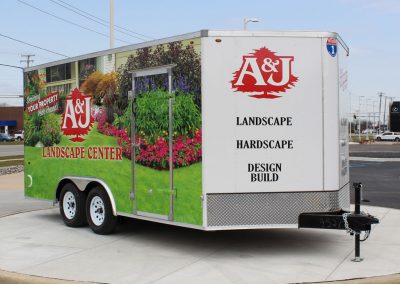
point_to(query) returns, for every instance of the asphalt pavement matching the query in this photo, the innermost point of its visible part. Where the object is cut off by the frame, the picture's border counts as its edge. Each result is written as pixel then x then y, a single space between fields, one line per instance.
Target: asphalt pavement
pixel 11 150
pixel 381 182
pixel 379 171
pixel 376 150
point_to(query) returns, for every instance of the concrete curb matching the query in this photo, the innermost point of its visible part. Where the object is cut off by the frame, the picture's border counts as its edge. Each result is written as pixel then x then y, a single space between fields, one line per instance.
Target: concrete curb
pixel 386 279
pixel 17 278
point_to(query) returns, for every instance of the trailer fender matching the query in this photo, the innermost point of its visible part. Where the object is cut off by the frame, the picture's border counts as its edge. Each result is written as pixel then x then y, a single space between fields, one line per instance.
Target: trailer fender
pixel 84 183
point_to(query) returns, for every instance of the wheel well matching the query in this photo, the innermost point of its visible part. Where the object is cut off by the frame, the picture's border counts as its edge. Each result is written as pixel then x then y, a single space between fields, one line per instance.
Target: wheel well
pixel 92 185
pixel 60 186
pixel 87 189
pixel 86 186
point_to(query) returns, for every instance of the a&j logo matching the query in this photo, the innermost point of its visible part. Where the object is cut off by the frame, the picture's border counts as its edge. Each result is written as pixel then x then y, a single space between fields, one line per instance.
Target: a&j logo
pixel 77 118
pixel 264 74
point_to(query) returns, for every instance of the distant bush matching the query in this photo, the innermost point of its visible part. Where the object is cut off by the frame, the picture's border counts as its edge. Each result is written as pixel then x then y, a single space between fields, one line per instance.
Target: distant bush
pixel 31 135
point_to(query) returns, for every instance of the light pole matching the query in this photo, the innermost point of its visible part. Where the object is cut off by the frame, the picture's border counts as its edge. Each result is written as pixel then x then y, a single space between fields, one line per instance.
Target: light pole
pixel 384 115
pixel 369 118
pixel 246 21
pixel 359 119
pixel 380 94
pixel 374 114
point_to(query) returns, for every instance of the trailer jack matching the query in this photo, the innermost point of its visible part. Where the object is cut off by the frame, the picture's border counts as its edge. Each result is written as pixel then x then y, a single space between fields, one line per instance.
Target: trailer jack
pixel 353 222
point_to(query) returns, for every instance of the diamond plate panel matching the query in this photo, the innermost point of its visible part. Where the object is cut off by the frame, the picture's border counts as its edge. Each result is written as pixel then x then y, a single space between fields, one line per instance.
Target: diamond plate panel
pixel 280 208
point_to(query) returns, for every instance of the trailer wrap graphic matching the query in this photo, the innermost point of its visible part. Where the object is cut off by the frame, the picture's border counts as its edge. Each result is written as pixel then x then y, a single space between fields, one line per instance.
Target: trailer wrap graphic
pixel 264 74
pixel 77 118
pixel 81 127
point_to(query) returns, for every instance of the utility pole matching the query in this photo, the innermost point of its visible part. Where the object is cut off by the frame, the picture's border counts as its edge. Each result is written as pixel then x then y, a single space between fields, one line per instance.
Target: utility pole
pixel 111 23
pixel 373 112
pixel 28 59
pixel 359 118
pixel 384 114
pixel 390 104
pixel 379 117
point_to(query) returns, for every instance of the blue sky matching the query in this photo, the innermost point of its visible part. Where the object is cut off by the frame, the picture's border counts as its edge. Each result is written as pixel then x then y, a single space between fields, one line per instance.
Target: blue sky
pixel 370 27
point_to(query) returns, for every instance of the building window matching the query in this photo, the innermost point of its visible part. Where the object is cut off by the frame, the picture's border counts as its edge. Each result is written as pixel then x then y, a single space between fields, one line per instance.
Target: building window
pixel 86 67
pixel 58 73
pixel 63 90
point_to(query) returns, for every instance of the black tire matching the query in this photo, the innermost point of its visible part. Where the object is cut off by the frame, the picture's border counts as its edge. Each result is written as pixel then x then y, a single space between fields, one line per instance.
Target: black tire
pixel 378 139
pixel 99 212
pixel 76 204
pixel 397 139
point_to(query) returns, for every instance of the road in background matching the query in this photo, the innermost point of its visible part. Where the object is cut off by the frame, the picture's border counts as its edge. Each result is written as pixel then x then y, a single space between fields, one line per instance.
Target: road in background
pixel 376 150
pixel 381 182
pixel 11 150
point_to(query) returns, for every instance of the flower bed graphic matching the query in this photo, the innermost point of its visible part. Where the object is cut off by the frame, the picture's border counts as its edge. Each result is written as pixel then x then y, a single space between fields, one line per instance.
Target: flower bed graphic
pixel 185 150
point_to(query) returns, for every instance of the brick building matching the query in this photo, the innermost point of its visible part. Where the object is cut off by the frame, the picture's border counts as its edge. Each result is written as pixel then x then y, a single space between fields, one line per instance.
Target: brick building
pixel 11 119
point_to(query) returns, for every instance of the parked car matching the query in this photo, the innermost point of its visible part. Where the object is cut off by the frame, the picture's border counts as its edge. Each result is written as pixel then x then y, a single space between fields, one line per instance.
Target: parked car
pixel 19 135
pixel 368 131
pixel 5 137
pixel 388 136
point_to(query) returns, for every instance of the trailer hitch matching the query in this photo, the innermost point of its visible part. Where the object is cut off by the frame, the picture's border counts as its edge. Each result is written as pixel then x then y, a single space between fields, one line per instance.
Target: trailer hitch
pixel 353 222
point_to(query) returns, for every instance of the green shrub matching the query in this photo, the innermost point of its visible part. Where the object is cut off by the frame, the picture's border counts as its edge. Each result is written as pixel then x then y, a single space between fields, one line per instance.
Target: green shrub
pixel 186 115
pixel 152 112
pixel 124 121
pixel 152 115
pixel 50 130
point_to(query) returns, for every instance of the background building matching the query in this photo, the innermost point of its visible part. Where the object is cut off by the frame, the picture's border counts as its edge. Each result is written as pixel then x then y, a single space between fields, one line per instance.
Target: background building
pixel 11 119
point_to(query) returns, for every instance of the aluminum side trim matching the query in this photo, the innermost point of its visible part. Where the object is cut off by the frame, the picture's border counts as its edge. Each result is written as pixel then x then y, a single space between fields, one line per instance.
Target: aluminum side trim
pixel 191 226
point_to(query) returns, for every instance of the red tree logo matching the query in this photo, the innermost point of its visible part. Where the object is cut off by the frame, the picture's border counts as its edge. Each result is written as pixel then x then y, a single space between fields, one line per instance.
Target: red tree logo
pixel 77 118
pixel 264 74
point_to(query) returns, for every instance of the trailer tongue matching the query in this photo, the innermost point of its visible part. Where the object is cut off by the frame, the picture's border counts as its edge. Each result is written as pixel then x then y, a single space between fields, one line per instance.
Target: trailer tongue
pixel 354 223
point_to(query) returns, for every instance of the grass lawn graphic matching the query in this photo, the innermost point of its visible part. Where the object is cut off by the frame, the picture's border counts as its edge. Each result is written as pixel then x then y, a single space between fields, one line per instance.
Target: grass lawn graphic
pixel 117 175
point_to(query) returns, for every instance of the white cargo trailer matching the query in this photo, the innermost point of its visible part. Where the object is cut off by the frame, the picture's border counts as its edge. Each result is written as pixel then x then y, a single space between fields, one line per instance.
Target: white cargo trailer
pixel 265 138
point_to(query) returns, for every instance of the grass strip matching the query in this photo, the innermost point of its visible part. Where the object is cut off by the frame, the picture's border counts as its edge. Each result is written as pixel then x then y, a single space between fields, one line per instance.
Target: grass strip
pixel 11 163
pixel 11 157
pixel 12 143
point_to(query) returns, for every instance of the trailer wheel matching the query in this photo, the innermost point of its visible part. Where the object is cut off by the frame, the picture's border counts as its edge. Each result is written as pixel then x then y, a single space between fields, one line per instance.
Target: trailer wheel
pixel 99 212
pixel 72 206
